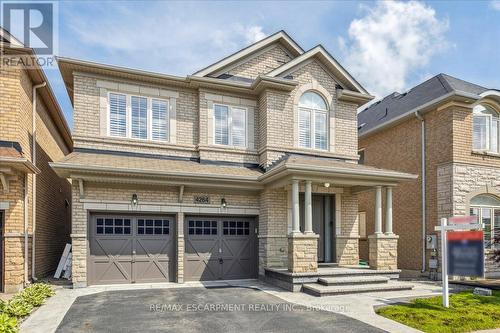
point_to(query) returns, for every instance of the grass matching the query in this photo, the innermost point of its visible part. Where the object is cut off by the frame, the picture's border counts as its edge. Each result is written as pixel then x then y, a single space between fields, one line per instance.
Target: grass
pixel 467 312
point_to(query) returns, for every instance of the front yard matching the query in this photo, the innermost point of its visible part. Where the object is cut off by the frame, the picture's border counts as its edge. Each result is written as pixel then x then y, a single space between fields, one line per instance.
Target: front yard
pixel 467 312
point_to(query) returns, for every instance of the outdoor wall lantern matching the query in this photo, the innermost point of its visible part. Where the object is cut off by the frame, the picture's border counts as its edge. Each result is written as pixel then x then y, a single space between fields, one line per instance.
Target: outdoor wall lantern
pixel 327 185
pixel 223 203
pixel 135 200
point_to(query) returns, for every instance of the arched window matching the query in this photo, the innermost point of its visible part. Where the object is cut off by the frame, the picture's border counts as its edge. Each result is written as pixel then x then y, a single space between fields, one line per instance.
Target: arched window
pixel 487 208
pixel 313 121
pixel 486 129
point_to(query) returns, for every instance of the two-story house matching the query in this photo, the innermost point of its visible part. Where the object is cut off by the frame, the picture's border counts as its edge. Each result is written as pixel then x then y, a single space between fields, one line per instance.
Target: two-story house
pixel 447 131
pixel 35 213
pixel 246 165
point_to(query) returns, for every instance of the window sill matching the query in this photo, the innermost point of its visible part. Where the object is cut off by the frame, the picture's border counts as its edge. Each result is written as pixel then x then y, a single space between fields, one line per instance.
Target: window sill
pixel 485 153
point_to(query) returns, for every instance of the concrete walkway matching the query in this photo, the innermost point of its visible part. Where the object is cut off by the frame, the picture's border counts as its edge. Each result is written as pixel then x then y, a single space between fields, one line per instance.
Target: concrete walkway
pixel 360 306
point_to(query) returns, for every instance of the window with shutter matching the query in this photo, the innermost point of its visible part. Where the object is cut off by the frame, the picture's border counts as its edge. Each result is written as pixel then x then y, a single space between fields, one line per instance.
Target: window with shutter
pixel 139 117
pixel 159 119
pixel 230 125
pixel 486 129
pixel 117 115
pixel 313 121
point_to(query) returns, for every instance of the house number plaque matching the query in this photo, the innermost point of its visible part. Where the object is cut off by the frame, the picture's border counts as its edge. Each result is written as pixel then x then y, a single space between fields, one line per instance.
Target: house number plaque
pixel 202 199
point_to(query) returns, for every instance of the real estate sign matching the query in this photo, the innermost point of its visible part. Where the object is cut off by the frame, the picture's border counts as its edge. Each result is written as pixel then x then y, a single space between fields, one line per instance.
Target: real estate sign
pixel 465 253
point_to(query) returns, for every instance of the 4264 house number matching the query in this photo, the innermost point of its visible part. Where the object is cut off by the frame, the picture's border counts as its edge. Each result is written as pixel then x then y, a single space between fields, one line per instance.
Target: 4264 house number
pixel 202 199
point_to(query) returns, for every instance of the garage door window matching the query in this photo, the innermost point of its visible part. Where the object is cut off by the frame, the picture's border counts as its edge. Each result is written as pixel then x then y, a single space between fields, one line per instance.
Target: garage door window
pixel 153 227
pixel 202 227
pixel 112 226
pixel 236 228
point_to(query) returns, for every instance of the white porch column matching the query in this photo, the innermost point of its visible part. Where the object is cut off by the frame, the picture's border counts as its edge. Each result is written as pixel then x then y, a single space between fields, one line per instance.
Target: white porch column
pixel 388 211
pixel 378 210
pixel 308 208
pixel 295 207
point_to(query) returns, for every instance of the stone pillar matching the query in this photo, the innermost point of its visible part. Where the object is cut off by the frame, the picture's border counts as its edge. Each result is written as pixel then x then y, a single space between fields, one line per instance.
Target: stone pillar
pixel 180 247
pixel 303 253
pixel 295 207
pixel 308 208
pixel 383 251
pixel 378 210
pixel 388 211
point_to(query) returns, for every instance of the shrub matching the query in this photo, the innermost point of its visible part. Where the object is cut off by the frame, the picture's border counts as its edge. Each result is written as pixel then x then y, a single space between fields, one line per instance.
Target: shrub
pixel 17 306
pixel 8 324
pixel 36 293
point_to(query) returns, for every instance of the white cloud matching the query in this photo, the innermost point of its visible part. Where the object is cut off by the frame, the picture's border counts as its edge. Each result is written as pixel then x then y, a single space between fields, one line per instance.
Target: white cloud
pixel 495 4
pixel 392 41
pixel 254 34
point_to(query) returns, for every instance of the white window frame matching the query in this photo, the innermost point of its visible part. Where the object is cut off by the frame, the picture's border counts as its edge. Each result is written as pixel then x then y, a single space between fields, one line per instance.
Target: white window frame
pixel 128 124
pixel 489 132
pixel 230 125
pixel 492 223
pixel 312 133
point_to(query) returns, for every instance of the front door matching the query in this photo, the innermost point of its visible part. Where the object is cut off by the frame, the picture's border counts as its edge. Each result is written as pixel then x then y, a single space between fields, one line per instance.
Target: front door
pixel 323 223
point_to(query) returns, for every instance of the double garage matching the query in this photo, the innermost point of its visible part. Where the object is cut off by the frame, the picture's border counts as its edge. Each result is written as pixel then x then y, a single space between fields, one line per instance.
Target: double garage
pixel 142 248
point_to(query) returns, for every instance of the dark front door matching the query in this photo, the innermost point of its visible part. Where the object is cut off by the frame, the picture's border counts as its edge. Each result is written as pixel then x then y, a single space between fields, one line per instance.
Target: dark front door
pixel 220 248
pixel 129 249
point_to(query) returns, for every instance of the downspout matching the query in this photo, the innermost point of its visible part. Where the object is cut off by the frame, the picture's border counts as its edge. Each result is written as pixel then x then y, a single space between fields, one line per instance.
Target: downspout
pixel 26 239
pixel 424 200
pixel 33 161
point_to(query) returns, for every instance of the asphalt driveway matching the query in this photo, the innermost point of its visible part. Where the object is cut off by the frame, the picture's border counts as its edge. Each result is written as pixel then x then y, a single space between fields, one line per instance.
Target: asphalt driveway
pixel 232 309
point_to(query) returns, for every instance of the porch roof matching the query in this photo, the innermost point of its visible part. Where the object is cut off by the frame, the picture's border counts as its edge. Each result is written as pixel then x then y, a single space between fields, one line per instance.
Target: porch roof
pixel 129 167
pixel 323 169
pixel 11 158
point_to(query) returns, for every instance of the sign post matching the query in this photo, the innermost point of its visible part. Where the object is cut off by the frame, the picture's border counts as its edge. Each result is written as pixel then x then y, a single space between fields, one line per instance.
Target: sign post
pixel 467 250
pixel 444 266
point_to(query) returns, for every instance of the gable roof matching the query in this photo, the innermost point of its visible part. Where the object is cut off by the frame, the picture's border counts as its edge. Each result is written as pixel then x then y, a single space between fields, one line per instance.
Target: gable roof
pixel 279 37
pixel 396 106
pixel 322 54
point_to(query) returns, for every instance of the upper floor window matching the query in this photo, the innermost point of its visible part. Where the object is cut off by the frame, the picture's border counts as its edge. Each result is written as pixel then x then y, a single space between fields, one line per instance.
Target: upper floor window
pixel 487 209
pixel 313 121
pixel 138 117
pixel 486 129
pixel 230 125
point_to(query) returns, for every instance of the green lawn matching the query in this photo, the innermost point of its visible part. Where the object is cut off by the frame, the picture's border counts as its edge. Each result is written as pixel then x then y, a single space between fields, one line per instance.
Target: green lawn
pixel 467 312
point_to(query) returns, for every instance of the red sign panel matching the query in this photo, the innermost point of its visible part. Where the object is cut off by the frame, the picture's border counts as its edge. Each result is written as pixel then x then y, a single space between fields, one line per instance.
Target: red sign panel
pixel 462 220
pixel 454 236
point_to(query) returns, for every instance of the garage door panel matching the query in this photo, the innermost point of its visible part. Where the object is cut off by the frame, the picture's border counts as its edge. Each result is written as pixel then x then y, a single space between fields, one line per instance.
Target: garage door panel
pixel 219 248
pixel 114 272
pixel 128 249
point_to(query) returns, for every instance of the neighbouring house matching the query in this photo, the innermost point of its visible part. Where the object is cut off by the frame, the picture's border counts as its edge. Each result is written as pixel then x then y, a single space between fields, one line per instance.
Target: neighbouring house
pixel 246 166
pixel 35 213
pixel 447 131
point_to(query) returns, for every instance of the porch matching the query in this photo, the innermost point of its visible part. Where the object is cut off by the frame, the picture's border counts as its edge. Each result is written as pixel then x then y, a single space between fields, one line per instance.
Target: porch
pixel 322 222
pixel 334 280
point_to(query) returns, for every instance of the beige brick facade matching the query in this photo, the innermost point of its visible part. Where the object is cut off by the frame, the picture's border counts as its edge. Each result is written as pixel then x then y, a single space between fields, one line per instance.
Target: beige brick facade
pixel 53 193
pixel 271 135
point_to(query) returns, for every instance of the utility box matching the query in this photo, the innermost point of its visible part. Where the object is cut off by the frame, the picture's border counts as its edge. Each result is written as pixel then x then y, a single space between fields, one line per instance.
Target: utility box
pixel 431 242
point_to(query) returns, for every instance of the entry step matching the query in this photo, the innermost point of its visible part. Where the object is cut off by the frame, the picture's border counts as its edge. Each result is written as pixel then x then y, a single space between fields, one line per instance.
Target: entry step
pixel 320 290
pixel 348 280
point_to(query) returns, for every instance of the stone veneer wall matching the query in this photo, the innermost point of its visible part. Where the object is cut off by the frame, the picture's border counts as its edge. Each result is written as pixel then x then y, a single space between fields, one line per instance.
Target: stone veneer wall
pixel 457 184
pixel 304 250
pixel 383 252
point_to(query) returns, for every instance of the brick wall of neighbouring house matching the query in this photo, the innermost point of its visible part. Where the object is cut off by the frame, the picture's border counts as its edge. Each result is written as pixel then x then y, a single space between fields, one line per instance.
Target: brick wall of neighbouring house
pixel 53 217
pixel 261 64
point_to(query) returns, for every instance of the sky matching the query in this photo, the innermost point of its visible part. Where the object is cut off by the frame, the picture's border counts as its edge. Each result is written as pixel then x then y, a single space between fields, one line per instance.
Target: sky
pixel 386 45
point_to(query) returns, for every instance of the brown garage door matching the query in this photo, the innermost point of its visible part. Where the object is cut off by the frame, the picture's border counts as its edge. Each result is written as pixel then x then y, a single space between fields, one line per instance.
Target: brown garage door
pixel 220 248
pixel 129 249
